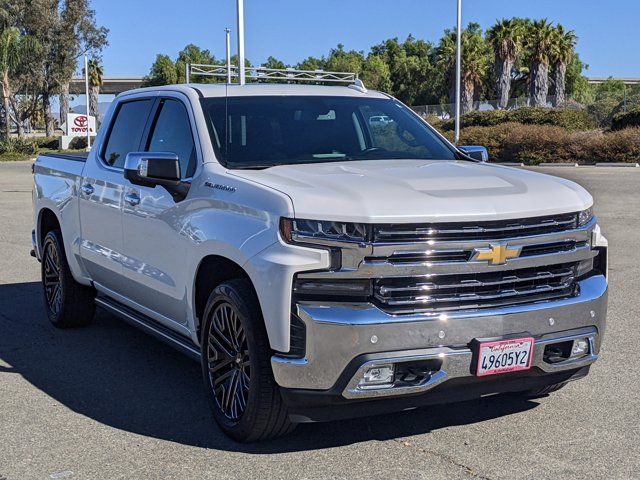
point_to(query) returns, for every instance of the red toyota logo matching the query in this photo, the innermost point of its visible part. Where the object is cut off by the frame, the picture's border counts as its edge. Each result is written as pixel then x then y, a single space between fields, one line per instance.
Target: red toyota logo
pixel 81 121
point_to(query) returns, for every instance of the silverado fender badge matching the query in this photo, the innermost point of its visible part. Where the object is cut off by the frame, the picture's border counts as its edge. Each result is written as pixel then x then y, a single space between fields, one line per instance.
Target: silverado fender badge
pixel 219 186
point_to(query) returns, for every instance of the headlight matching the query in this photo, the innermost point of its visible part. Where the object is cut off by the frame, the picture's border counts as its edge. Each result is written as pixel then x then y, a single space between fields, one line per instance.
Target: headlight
pixel 585 216
pixel 298 230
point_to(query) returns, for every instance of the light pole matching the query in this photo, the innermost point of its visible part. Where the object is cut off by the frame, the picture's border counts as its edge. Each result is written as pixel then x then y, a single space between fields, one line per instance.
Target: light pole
pixel 228 37
pixel 86 89
pixel 241 71
pixel 458 70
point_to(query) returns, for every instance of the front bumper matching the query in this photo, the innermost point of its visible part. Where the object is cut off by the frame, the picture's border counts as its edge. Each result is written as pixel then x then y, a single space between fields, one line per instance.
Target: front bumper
pixel 343 340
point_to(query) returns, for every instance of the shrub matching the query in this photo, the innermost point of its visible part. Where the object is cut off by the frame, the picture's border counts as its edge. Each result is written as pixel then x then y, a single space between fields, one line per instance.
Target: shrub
pixel 569 118
pixel 80 143
pixel 601 111
pixel 620 146
pixel 18 146
pixel 50 143
pixel 624 120
pixel 534 144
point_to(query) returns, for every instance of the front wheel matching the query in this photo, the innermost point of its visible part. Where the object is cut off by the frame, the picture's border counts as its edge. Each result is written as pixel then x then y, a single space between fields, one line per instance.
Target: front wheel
pixel 236 366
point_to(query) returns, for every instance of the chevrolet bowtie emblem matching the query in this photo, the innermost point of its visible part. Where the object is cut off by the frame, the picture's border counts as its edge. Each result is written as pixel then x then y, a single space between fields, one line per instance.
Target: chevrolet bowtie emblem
pixel 497 254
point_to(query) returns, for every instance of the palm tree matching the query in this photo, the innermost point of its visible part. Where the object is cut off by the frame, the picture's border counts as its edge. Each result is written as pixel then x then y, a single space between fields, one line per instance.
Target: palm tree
pixel 505 37
pixel 95 82
pixel 540 40
pixel 13 46
pixel 562 54
pixel 474 63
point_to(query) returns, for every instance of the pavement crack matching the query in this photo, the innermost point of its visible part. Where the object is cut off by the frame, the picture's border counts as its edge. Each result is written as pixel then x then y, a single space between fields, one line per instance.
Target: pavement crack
pixel 447 458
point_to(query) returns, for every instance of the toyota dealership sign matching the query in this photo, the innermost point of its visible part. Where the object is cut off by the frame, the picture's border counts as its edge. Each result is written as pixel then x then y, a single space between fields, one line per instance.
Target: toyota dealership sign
pixel 78 123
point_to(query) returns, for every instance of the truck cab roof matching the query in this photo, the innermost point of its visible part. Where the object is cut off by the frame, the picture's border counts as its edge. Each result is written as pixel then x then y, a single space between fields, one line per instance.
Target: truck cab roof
pixel 211 90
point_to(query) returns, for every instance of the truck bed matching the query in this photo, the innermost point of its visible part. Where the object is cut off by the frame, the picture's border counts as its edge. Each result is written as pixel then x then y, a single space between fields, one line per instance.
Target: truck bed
pixel 78 157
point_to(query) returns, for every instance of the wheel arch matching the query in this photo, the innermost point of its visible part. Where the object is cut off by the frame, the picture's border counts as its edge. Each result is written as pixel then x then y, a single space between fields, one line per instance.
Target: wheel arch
pixel 211 272
pixel 47 221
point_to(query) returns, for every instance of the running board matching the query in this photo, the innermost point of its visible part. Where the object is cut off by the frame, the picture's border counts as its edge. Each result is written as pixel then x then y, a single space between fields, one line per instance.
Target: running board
pixel 148 325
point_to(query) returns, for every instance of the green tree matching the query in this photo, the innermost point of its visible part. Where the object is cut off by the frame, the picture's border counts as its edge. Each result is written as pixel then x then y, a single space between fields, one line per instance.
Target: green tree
pixel 163 72
pixel 312 63
pixel 475 64
pixel 193 54
pixel 539 40
pixel 340 60
pixel 375 74
pixel 274 63
pixel 562 53
pixel 77 35
pixel 20 55
pixel 96 72
pixel 505 37
pixel 412 74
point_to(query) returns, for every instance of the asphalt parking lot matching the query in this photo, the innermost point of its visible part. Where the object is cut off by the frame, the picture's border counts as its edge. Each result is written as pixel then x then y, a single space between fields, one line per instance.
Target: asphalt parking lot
pixel 108 402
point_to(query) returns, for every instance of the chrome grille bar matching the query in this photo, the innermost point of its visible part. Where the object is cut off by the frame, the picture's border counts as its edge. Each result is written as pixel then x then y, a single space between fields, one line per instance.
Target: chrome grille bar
pixel 461 231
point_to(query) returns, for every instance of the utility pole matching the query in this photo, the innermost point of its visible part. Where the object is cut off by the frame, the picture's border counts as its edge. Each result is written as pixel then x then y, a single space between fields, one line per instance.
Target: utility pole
pixel 241 70
pixel 86 89
pixel 228 35
pixel 458 70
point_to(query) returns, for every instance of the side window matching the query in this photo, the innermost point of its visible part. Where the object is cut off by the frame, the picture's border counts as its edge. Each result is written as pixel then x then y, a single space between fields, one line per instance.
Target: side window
pixel 172 133
pixel 127 130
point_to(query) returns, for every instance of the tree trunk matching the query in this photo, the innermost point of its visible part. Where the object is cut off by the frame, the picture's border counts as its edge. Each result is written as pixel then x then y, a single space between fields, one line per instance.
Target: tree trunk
pixel 20 123
pixel 504 82
pixel 48 116
pixel 94 91
pixel 467 99
pixel 561 88
pixel 539 84
pixel 6 92
pixel 64 102
pixel 7 117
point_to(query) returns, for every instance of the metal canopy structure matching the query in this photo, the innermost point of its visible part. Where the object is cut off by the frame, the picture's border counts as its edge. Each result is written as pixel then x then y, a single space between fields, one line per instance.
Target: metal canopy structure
pixel 262 74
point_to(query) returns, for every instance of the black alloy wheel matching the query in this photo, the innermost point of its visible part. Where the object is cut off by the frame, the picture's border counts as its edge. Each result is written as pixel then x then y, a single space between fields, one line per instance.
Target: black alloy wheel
pixel 229 361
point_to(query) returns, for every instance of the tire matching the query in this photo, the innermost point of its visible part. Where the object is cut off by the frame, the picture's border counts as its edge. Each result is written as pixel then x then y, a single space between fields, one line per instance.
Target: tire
pixel 67 303
pixel 236 357
pixel 542 391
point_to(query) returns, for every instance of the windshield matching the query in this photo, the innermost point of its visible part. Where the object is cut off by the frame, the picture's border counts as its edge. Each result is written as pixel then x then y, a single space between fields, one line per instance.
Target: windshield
pixel 262 132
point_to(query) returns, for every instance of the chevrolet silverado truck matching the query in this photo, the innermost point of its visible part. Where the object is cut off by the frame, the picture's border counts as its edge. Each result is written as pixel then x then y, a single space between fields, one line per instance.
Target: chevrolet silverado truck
pixel 320 263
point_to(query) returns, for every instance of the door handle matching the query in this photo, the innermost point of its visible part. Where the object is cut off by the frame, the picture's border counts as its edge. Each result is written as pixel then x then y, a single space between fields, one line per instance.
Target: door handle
pixel 87 189
pixel 132 199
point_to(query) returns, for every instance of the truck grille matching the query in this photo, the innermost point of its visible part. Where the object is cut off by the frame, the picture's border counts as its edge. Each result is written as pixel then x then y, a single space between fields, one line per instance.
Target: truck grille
pixel 501 229
pixel 475 290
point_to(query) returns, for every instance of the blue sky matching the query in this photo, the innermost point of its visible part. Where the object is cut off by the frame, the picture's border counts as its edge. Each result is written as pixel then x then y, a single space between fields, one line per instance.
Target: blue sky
pixel 291 30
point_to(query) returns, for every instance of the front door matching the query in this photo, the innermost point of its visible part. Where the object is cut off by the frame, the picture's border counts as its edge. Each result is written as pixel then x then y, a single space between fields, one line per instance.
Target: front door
pixel 154 245
pixel 102 192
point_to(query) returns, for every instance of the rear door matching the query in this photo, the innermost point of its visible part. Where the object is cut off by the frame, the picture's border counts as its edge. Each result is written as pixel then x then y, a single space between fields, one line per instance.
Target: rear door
pixel 155 241
pixel 101 194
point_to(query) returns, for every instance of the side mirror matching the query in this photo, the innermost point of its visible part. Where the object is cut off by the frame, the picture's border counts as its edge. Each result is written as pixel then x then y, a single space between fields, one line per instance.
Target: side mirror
pixel 476 152
pixel 149 169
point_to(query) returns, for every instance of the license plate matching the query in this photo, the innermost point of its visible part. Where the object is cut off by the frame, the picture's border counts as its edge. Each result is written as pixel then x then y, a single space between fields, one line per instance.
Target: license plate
pixel 504 356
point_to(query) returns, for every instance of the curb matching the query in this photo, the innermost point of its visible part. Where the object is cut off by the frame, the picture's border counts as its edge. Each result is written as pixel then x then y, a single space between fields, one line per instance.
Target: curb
pixel 618 164
pixel 559 165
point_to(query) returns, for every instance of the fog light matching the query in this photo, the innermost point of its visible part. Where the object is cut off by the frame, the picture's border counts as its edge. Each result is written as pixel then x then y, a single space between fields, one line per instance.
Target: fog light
pixel 580 348
pixel 377 377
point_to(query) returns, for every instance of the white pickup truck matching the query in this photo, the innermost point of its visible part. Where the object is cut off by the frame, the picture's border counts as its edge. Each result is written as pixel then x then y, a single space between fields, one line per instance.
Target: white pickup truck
pixel 320 263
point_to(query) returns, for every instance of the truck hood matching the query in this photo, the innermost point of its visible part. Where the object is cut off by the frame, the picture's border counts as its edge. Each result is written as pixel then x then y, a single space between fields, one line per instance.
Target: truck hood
pixel 406 191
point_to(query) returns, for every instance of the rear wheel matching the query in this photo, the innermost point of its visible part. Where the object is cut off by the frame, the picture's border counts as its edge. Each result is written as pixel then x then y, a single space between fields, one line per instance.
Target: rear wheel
pixel 236 366
pixel 67 303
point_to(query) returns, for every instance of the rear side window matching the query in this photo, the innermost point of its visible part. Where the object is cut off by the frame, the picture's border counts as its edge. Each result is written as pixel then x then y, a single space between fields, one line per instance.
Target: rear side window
pixel 127 130
pixel 172 133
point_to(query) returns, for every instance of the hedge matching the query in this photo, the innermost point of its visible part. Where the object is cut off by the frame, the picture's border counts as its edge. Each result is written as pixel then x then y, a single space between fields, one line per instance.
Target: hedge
pixel 570 119
pixel 627 119
pixel 534 144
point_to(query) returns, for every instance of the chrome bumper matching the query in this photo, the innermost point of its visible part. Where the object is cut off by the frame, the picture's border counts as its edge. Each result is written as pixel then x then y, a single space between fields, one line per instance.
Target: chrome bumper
pixel 336 335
